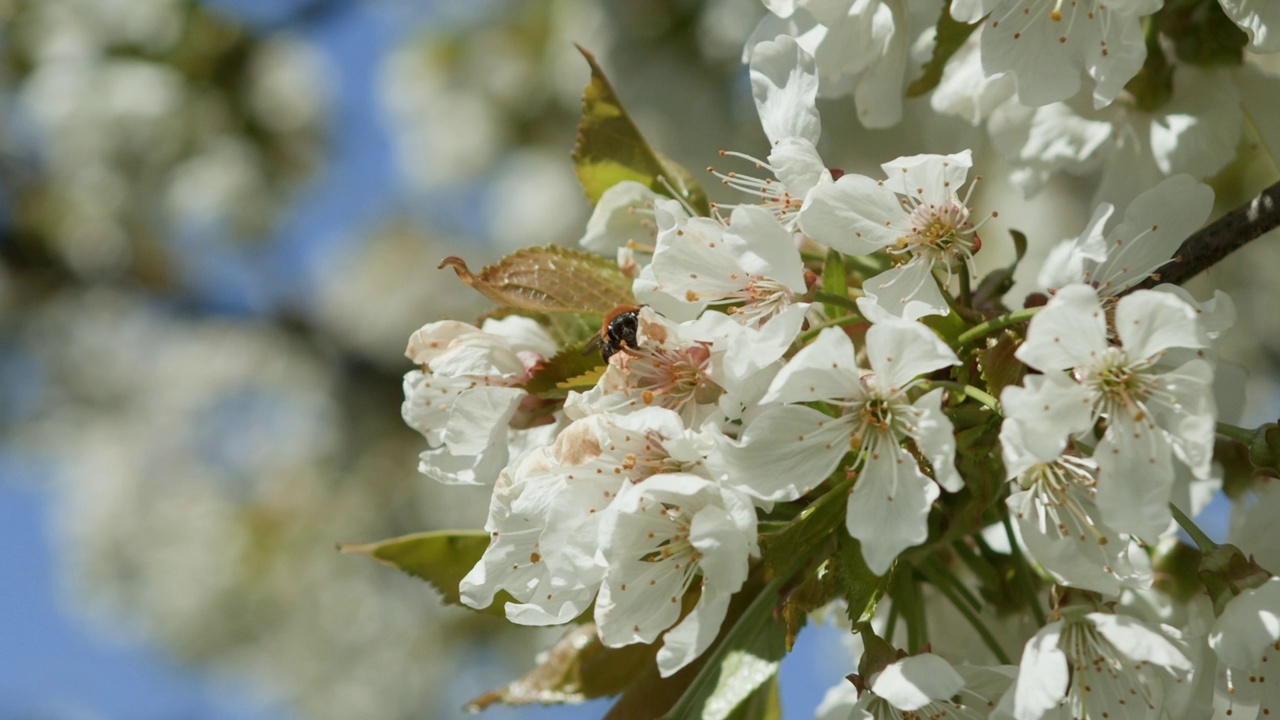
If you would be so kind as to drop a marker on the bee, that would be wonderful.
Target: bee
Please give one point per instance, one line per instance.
(618, 331)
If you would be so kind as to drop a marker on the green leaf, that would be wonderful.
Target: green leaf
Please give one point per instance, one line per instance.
(550, 279)
(950, 35)
(800, 538)
(568, 369)
(855, 581)
(577, 668)
(611, 149)
(442, 558)
(835, 283)
(764, 704)
(743, 660)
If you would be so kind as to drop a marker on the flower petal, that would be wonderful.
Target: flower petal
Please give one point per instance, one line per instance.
(823, 370)
(913, 682)
(901, 351)
(1150, 322)
(1135, 477)
(934, 434)
(1068, 333)
(1043, 677)
(855, 215)
(909, 292)
(784, 83)
(785, 452)
(888, 509)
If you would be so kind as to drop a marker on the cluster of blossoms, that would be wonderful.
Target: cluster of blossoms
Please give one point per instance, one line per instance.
(821, 345)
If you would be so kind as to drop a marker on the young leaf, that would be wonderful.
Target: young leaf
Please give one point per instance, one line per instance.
(442, 558)
(950, 35)
(999, 367)
(835, 283)
(859, 586)
(550, 279)
(559, 374)
(611, 149)
(577, 668)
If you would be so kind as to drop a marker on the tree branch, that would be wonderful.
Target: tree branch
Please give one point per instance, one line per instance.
(1212, 243)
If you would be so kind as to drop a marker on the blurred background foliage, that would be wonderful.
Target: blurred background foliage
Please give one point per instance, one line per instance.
(219, 223)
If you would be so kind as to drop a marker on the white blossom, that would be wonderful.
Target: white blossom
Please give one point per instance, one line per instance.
(1095, 666)
(1246, 638)
(465, 393)
(916, 215)
(1152, 413)
(790, 449)
(669, 533)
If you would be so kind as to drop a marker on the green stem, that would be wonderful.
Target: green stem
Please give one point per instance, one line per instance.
(808, 335)
(1202, 541)
(994, 324)
(1023, 571)
(947, 586)
(978, 394)
(966, 294)
(908, 598)
(1244, 435)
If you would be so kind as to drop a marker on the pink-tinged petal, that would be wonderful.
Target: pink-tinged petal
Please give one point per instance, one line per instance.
(913, 682)
(909, 292)
(823, 370)
(763, 247)
(1069, 332)
(784, 83)
(1135, 477)
(1050, 408)
(1141, 642)
(935, 436)
(1043, 677)
(929, 179)
(785, 452)
(855, 215)
(901, 351)
(686, 642)
(888, 509)
(1150, 322)
(432, 339)
(1154, 226)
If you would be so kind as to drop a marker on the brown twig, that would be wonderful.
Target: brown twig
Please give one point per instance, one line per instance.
(1208, 246)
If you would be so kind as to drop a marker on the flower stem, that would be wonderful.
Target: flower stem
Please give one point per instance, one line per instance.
(978, 394)
(906, 595)
(1023, 570)
(994, 324)
(1202, 541)
(808, 335)
(1235, 433)
(947, 585)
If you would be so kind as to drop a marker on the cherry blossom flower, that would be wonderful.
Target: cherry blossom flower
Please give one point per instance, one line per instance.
(546, 511)
(670, 532)
(464, 395)
(750, 268)
(622, 217)
(1153, 413)
(790, 449)
(916, 214)
(711, 368)
(1096, 665)
(1058, 518)
(919, 686)
(1261, 20)
(1047, 46)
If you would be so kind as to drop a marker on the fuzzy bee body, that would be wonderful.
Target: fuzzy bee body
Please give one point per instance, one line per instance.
(618, 331)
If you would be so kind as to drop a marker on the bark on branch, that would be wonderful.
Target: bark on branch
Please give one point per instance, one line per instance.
(1206, 247)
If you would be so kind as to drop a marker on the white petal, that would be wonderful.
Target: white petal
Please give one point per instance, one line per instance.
(1191, 418)
(1140, 642)
(1050, 409)
(479, 419)
(1043, 677)
(913, 682)
(1259, 18)
(1248, 626)
(823, 370)
(1126, 51)
(1135, 477)
(797, 165)
(928, 178)
(785, 452)
(1069, 332)
(1155, 224)
(855, 215)
(1198, 131)
(784, 83)
(624, 214)
(900, 352)
(1150, 322)
(723, 549)
(1072, 261)
(763, 247)
(934, 434)
(909, 292)
(685, 642)
(888, 509)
